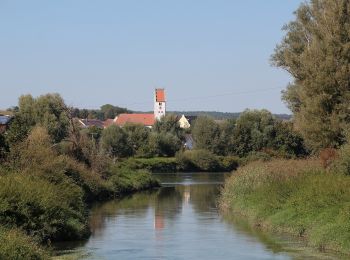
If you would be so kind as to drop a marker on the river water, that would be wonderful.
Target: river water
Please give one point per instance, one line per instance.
(180, 221)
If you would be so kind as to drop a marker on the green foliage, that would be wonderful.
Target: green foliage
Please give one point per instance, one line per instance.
(203, 160)
(295, 196)
(206, 134)
(106, 111)
(155, 164)
(315, 51)
(138, 138)
(15, 245)
(43, 210)
(3, 147)
(127, 180)
(114, 141)
(169, 124)
(110, 111)
(49, 111)
(164, 144)
(253, 131)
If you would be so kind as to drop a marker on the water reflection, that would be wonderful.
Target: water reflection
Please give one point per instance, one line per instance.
(179, 221)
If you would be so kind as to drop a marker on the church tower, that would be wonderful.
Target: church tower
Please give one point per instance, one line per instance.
(159, 103)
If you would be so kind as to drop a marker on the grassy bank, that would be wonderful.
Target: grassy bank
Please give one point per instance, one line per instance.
(188, 161)
(293, 196)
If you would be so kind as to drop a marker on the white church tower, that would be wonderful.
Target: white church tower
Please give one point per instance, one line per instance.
(159, 103)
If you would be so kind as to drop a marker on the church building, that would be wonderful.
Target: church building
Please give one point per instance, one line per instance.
(145, 119)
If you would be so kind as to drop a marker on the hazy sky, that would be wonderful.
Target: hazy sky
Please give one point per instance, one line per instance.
(209, 55)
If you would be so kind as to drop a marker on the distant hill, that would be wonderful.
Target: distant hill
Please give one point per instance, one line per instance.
(217, 115)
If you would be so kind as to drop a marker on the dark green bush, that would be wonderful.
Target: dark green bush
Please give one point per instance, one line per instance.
(127, 180)
(202, 160)
(157, 164)
(44, 210)
(228, 163)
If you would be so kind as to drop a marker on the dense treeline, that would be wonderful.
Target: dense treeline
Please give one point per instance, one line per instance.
(50, 169)
(254, 133)
(105, 112)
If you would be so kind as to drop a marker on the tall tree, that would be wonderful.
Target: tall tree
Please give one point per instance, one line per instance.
(48, 111)
(206, 134)
(114, 141)
(316, 52)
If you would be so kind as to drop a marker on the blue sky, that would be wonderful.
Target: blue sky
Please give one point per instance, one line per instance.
(208, 55)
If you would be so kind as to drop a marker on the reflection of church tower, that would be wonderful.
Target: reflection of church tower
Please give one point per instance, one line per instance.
(159, 103)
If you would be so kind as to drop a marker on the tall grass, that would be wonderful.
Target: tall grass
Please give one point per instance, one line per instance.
(15, 245)
(294, 196)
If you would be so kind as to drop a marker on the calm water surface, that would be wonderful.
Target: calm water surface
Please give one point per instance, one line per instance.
(180, 221)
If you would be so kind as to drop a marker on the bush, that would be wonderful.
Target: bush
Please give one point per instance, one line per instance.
(203, 160)
(125, 180)
(228, 163)
(43, 210)
(17, 246)
(157, 164)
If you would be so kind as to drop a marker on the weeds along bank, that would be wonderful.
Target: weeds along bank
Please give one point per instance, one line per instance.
(294, 196)
(44, 195)
(186, 161)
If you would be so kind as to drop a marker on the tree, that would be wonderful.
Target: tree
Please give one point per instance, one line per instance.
(316, 52)
(288, 141)
(169, 124)
(227, 138)
(110, 111)
(138, 137)
(253, 131)
(163, 144)
(206, 134)
(48, 111)
(114, 141)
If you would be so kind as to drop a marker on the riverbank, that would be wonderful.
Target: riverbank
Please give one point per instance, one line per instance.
(296, 197)
(44, 195)
(187, 161)
(35, 212)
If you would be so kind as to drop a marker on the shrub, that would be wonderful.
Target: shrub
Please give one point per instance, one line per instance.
(127, 180)
(201, 160)
(17, 246)
(157, 164)
(228, 163)
(43, 210)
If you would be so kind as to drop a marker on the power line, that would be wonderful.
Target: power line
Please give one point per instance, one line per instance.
(211, 96)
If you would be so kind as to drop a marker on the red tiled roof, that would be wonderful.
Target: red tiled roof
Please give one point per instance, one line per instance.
(160, 95)
(144, 119)
(108, 123)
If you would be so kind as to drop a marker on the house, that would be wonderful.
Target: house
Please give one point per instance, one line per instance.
(87, 123)
(186, 121)
(4, 122)
(145, 119)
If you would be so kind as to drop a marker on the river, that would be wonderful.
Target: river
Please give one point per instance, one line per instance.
(179, 221)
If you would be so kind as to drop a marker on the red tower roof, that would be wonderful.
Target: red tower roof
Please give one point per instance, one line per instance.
(160, 95)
